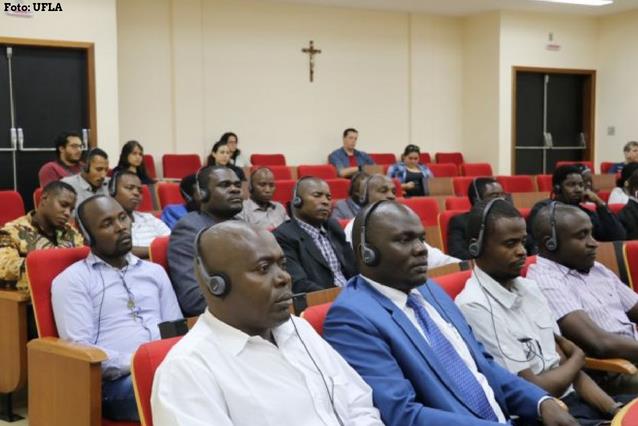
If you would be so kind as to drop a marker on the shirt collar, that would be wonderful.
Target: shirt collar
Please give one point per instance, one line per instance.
(508, 299)
(254, 206)
(131, 260)
(87, 186)
(312, 230)
(397, 297)
(547, 263)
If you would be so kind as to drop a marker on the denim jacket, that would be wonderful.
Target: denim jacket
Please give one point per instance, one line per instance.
(400, 171)
(339, 159)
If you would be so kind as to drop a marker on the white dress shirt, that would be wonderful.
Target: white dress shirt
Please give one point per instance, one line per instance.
(145, 228)
(436, 257)
(618, 196)
(400, 299)
(219, 375)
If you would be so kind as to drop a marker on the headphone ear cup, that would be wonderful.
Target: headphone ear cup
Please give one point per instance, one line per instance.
(474, 248)
(556, 189)
(113, 185)
(297, 202)
(218, 285)
(551, 244)
(370, 255)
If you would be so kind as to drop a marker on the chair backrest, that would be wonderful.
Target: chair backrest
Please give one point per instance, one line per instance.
(425, 158)
(588, 164)
(339, 188)
(149, 164)
(524, 211)
(449, 157)
(544, 183)
(42, 267)
(37, 196)
(147, 200)
(268, 160)
(323, 171)
(283, 191)
(441, 186)
(529, 261)
(444, 222)
(461, 185)
(158, 251)
(630, 257)
(476, 169)
(615, 208)
(604, 182)
(605, 166)
(458, 203)
(343, 223)
(12, 206)
(316, 315)
(279, 172)
(518, 183)
(425, 207)
(383, 158)
(176, 166)
(168, 193)
(453, 283)
(146, 359)
(528, 199)
(443, 169)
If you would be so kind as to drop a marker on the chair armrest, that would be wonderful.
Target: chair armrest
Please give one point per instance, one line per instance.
(612, 365)
(15, 296)
(65, 383)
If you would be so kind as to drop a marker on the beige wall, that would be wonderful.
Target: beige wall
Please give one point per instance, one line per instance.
(87, 21)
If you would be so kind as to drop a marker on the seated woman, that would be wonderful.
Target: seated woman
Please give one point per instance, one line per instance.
(236, 157)
(629, 214)
(220, 156)
(620, 194)
(132, 159)
(413, 175)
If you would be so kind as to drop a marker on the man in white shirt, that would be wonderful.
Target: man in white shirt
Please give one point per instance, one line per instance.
(246, 361)
(126, 188)
(380, 187)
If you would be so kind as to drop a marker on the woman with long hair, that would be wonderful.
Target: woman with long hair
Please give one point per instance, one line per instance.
(132, 159)
(220, 156)
(236, 156)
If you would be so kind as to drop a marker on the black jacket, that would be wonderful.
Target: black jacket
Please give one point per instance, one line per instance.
(629, 218)
(457, 241)
(304, 261)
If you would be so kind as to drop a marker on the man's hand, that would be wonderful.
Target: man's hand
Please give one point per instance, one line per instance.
(570, 349)
(553, 414)
(590, 195)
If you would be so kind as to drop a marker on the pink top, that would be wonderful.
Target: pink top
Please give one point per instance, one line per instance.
(56, 170)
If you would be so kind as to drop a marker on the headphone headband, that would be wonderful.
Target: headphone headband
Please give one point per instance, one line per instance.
(297, 201)
(218, 283)
(552, 243)
(476, 245)
(369, 254)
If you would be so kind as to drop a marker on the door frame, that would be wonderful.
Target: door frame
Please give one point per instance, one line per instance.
(589, 107)
(89, 48)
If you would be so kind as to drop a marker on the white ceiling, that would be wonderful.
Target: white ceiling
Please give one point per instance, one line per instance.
(470, 7)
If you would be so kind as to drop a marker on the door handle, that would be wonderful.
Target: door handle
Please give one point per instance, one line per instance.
(549, 141)
(85, 138)
(13, 138)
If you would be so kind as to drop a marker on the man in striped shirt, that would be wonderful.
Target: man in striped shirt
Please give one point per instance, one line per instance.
(594, 308)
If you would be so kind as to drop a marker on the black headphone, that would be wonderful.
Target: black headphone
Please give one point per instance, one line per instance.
(552, 242)
(201, 190)
(297, 201)
(476, 191)
(187, 197)
(476, 244)
(88, 238)
(353, 179)
(217, 284)
(112, 187)
(369, 254)
(87, 165)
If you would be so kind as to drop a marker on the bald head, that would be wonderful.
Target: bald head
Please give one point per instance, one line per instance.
(379, 187)
(542, 225)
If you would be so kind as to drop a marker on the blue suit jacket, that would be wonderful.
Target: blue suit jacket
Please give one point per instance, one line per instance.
(410, 386)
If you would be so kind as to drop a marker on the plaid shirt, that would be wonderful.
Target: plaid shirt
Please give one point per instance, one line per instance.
(320, 238)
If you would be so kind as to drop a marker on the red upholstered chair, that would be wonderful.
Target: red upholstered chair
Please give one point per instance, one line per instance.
(604, 195)
(605, 166)
(158, 251)
(323, 171)
(268, 160)
(147, 200)
(630, 254)
(525, 211)
(444, 222)
(37, 196)
(628, 415)
(316, 315)
(544, 183)
(461, 185)
(149, 163)
(384, 158)
(168, 193)
(615, 208)
(283, 191)
(279, 172)
(458, 203)
(518, 183)
(65, 380)
(343, 223)
(12, 206)
(397, 186)
(444, 169)
(453, 283)
(146, 359)
(589, 164)
(424, 158)
(449, 157)
(426, 208)
(529, 261)
(339, 188)
(176, 166)
(476, 169)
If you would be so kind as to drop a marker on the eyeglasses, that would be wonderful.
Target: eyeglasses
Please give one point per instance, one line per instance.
(75, 146)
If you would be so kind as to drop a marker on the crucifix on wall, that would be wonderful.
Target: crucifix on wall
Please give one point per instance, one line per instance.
(311, 51)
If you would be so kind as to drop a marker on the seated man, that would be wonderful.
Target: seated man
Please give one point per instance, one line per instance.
(630, 151)
(317, 254)
(68, 149)
(379, 187)
(348, 208)
(511, 317)
(569, 188)
(260, 209)
(112, 300)
(629, 214)
(92, 179)
(593, 307)
(410, 343)
(481, 188)
(247, 361)
(126, 188)
(219, 190)
(174, 212)
(346, 159)
(46, 227)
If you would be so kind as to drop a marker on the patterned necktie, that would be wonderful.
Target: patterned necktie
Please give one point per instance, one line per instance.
(466, 384)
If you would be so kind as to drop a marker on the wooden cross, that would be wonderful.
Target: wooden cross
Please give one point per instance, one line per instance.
(311, 51)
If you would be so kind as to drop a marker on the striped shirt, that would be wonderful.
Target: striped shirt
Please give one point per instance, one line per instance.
(599, 293)
(320, 238)
(146, 228)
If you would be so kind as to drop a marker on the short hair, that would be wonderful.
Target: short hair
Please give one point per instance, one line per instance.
(501, 208)
(62, 139)
(56, 187)
(348, 130)
(629, 145)
(203, 175)
(117, 177)
(95, 152)
(476, 189)
(541, 226)
(354, 180)
(561, 173)
(632, 181)
(627, 171)
(187, 183)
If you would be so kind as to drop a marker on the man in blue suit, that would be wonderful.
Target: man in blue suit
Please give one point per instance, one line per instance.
(408, 340)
